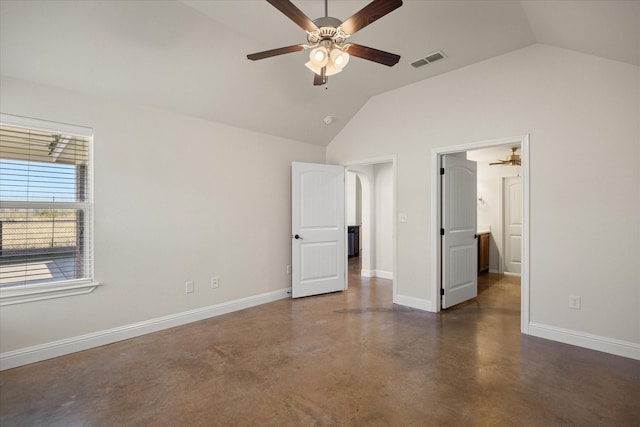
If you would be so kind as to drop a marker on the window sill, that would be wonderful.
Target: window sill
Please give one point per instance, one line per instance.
(23, 294)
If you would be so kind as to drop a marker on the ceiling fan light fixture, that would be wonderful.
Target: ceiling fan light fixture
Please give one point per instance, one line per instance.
(317, 70)
(333, 61)
(331, 70)
(319, 56)
(339, 58)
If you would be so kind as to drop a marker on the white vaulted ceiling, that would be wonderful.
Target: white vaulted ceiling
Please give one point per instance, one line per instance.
(190, 56)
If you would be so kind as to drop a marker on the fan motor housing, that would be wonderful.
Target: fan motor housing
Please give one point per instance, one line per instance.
(327, 21)
(328, 28)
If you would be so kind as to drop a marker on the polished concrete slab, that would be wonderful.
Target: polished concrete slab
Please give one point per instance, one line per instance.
(350, 358)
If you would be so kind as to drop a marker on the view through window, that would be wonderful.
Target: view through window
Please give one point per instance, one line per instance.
(44, 207)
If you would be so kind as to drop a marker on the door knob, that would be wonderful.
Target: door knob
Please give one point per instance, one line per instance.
(298, 237)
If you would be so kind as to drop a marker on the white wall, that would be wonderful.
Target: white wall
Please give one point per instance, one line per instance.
(582, 116)
(358, 195)
(383, 200)
(352, 198)
(176, 199)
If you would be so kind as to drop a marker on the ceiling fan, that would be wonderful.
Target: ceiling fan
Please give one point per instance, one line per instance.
(327, 38)
(512, 160)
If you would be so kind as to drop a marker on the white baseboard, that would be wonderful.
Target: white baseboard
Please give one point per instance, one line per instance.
(368, 273)
(377, 273)
(582, 339)
(384, 274)
(12, 359)
(413, 302)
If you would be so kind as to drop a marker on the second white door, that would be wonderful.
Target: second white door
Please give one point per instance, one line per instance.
(318, 234)
(512, 202)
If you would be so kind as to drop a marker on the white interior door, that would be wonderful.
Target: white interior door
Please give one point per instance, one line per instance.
(318, 233)
(459, 224)
(512, 202)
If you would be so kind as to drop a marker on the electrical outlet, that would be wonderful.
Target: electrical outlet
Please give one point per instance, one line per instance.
(402, 217)
(288, 269)
(574, 302)
(189, 286)
(215, 283)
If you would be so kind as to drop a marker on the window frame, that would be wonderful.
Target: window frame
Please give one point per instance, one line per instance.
(23, 293)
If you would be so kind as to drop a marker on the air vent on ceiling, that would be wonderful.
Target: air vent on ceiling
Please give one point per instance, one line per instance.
(436, 56)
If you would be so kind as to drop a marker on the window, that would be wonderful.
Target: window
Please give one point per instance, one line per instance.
(45, 210)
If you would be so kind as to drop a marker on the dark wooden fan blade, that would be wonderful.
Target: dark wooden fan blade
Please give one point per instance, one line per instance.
(295, 14)
(368, 14)
(275, 52)
(320, 79)
(372, 54)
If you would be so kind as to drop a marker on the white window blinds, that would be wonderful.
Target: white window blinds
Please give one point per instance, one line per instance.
(45, 206)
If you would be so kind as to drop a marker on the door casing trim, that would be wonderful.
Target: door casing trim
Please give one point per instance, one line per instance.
(436, 209)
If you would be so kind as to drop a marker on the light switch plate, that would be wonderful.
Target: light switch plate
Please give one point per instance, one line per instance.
(574, 302)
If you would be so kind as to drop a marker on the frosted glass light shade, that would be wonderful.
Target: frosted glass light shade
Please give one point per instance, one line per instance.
(333, 61)
(339, 58)
(319, 56)
(329, 71)
(317, 70)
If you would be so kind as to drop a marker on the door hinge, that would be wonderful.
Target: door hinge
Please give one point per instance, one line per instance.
(442, 291)
(441, 171)
(442, 231)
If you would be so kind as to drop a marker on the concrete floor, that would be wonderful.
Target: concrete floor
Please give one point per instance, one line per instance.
(350, 358)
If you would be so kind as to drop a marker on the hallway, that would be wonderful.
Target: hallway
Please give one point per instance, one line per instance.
(348, 358)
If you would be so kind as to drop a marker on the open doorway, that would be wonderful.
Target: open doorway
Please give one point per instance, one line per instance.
(353, 190)
(499, 209)
(370, 212)
(463, 150)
